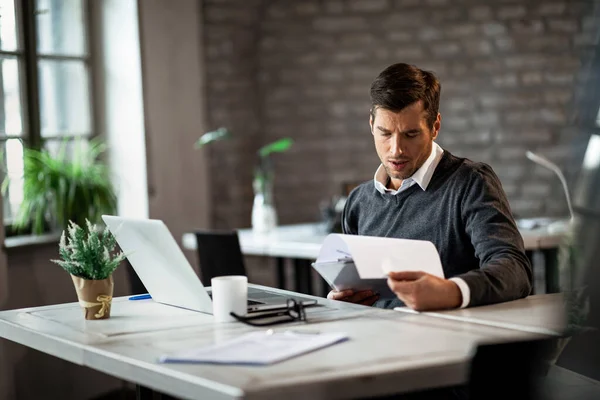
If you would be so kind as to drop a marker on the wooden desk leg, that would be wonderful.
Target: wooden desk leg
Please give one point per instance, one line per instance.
(280, 272)
(551, 264)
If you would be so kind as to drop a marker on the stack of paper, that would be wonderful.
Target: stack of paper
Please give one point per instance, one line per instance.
(257, 348)
(344, 275)
(362, 262)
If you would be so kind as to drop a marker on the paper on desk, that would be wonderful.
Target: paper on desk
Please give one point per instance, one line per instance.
(257, 348)
(374, 256)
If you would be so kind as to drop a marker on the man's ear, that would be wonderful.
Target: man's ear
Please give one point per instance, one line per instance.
(371, 120)
(436, 126)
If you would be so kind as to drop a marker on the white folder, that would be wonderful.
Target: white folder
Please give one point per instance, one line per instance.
(362, 262)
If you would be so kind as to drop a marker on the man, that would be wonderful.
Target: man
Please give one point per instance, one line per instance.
(421, 191)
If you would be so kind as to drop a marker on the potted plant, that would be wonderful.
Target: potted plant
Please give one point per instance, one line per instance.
(89, 257)
(575, 291)
(61, 188)
(212, 136)
(264, 216)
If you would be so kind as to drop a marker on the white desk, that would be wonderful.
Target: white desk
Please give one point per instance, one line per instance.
(543, 314)
(303, 242)
(388, 352)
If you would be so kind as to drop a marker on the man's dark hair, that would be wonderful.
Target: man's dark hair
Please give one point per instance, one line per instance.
(401, 85)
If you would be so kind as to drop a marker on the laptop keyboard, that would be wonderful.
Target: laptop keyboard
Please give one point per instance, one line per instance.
(250, 302)
(262, 297)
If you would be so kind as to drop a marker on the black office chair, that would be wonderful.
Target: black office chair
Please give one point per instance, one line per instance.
(219, 254)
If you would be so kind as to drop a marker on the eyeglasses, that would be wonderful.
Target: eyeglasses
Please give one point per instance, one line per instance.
(294, 311)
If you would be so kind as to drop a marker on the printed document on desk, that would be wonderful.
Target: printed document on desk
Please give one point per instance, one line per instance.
(374, 257)
(258, 348)
(343, 275)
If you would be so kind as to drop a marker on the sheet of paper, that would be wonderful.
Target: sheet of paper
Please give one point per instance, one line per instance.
(374, 256)
(341, 276)
(257, 348)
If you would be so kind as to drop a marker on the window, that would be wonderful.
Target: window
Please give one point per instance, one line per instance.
(45, 84)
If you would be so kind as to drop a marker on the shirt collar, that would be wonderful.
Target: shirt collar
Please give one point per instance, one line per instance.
(422, 176)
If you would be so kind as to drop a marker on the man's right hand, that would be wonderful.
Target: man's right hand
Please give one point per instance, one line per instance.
(364, 297)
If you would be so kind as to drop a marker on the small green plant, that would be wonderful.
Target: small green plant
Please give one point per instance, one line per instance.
(263, 172)
(88, 255)
(278, 146)
(576, 290)
(212, 136)
(60, 188)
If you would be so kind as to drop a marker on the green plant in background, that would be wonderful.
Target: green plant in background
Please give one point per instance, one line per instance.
(277, 146)
(263, 174)
(576, 291)
(88, 255)
(575, 295)
(212, 136)
(59, 188)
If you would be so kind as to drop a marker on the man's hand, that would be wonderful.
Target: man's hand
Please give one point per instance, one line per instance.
(365, 297)
(422, 291)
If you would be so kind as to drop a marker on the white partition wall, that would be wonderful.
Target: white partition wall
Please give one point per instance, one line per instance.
(121, 108)
(174, 107)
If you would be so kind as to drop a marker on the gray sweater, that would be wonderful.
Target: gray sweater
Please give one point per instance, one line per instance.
(466, 215)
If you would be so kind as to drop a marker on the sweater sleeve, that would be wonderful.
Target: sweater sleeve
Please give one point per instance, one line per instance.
(505, 271)
(349, 222)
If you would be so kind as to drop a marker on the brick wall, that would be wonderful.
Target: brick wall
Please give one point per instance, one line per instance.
(231, 34)
(511, 71)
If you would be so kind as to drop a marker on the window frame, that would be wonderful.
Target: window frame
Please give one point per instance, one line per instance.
(28, 60)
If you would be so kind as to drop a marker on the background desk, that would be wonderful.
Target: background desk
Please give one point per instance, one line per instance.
(408, 352)
(301, 243)
(544, 314)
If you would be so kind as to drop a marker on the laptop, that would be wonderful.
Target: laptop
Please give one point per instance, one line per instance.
(165, 271)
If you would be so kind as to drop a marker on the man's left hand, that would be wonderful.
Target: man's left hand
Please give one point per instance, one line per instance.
(423, 292)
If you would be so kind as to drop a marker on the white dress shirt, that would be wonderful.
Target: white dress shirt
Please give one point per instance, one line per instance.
(421, 177)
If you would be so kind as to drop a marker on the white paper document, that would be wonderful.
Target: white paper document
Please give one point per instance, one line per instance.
(362, 262)
(343, 275)
(257, 348)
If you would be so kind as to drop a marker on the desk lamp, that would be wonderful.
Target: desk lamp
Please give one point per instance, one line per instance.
(562, 225)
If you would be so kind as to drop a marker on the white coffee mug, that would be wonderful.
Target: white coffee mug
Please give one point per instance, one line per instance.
(229, 294)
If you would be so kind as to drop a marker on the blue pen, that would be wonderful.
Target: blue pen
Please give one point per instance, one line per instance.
(140, 297)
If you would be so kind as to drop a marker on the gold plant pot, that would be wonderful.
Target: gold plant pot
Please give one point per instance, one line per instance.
(95, 297)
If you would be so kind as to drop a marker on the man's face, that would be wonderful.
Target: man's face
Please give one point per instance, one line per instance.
(403, 140)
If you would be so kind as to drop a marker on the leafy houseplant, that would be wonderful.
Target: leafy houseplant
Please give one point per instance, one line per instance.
(263, 174)
(58, 189)
(264, 216)
(212, 136)
(574, 288)
(90, 259)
